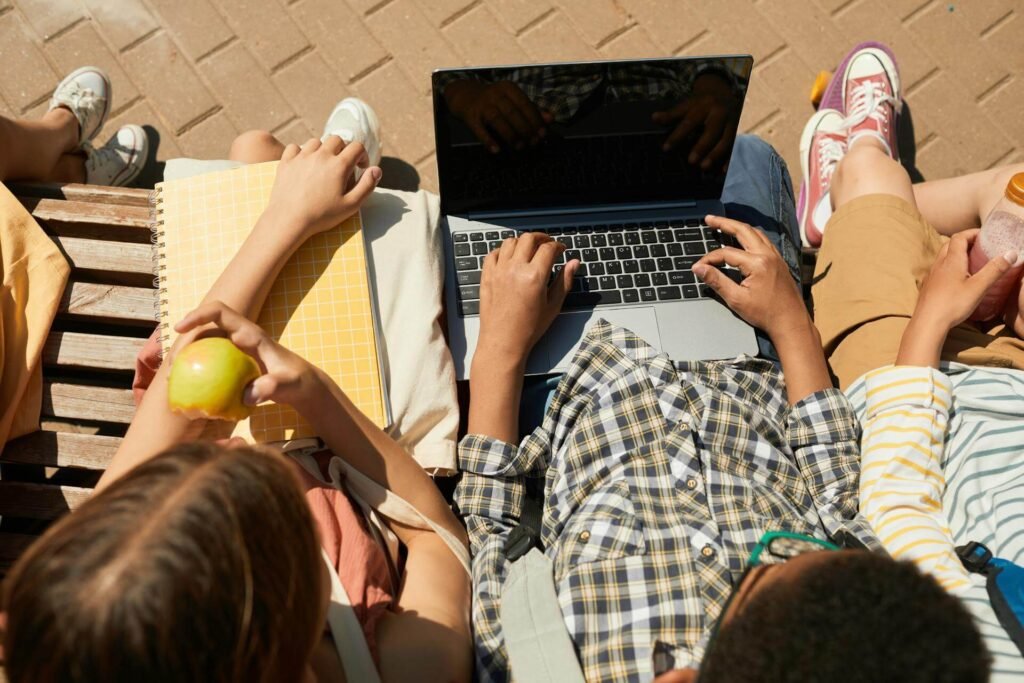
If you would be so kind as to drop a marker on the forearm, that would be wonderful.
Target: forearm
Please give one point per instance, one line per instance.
(495, 389)
(803, 361)
(243, 286)
(922, 342)
(365, 447)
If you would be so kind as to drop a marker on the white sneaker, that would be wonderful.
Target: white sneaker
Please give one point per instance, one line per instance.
(120, 161)
(87, 93)
(355, 121)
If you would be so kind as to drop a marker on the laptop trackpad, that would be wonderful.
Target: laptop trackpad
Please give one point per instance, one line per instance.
(556, 348)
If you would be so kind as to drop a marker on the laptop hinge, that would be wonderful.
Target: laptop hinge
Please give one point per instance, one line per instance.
(559, 211)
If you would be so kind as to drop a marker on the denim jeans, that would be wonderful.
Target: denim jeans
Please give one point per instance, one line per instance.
(758, 191)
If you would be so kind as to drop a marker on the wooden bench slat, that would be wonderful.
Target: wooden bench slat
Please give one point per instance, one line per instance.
(106, 255)
(109, 302)
(95, 194)
(39, 501)
(62, 449)
(68, 212)
(83, 402)
(12, 545)
(80, 350)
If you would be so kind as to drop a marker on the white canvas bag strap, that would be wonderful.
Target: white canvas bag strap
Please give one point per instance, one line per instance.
(347, 633)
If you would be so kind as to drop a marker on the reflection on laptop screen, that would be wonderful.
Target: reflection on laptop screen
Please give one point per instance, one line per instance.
(568, 135)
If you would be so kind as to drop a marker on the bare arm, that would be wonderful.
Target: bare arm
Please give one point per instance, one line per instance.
(306, 199)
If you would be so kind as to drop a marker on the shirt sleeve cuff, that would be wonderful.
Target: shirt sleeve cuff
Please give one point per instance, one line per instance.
(907, 387)
(488, 457)
(824, 417)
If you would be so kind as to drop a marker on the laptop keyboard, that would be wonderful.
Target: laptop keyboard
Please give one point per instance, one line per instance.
(628, 263)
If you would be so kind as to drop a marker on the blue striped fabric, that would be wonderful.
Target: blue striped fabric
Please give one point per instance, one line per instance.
(981, 458)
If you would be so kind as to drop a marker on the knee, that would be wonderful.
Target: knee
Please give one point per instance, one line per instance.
(252, 145)
(750, 149)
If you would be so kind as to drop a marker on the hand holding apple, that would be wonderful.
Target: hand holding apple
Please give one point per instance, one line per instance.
(208, 378)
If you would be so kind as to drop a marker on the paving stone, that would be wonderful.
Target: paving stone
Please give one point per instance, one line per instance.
(1004, 107)
(296, 132)
(168, 80)
(142, 114)
(634, 43)
(210, 138)
(817, 45)
(407, 117)
(980, 17)
(480, 39)
(518, 14)
(351, 57)
(416, 45)
(26, 76)
(83, 45)
(1003, 42)
(594, 19)
(249, 97)
(556, 40)
(670, 23)
(311, 88)
(195, 24)
(49, 17)
(122, 22)
(266, 28)
(440, 12)
(873, 20)
(736, 29)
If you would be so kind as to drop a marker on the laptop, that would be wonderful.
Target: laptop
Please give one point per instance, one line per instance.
(600, 181)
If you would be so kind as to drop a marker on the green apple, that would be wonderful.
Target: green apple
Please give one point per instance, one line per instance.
(208, 378)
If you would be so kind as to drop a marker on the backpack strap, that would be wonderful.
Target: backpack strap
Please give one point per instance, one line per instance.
(538, 646)
(1004, 582)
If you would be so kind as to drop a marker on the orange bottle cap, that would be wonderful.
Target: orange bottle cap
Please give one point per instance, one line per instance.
(1015, 189)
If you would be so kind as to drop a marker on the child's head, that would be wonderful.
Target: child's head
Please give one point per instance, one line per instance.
(200, 565)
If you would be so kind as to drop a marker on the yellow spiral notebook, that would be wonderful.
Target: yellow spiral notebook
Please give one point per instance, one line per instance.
(321, 305)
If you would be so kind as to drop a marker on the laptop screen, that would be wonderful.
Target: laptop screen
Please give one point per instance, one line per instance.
(586, 134)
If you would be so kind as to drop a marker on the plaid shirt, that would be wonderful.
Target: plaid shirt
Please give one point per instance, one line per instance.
(659, 481)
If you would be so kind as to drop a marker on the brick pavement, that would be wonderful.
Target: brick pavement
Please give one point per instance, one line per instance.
(201, 71)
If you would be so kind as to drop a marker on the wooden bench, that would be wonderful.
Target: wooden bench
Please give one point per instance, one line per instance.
(107, 312)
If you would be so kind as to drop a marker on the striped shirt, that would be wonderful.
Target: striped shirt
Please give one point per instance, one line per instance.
(658, 480)
(943, 464)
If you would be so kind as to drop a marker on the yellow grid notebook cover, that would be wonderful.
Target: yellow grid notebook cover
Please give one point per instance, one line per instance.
(320, 307)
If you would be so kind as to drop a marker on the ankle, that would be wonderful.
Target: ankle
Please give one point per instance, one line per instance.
(64, 124)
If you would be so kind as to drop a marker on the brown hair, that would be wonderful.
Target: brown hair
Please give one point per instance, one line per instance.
(201, 564)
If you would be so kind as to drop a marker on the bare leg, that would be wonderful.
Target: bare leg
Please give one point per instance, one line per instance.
(954, 204)
(70, 168)
(868, 169)
(31, 149)
(255, 146)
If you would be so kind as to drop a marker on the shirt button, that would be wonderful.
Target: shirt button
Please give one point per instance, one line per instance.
(691, 483)
(707, 551)
(584, 536)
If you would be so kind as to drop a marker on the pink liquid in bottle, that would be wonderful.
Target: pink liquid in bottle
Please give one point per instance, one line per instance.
(1003, 231)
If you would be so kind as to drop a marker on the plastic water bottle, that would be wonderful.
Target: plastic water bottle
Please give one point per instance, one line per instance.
(1002, 231)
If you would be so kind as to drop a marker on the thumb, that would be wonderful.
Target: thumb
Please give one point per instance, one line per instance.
(260, 390)
(718, 281)
(995, 269)
(561, 285)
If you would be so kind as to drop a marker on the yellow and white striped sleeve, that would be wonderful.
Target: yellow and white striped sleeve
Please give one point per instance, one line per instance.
(902, 481)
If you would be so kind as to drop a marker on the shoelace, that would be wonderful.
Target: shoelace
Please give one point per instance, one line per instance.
(107, 155)
(830, 152)
(84, 101)
(866, 102)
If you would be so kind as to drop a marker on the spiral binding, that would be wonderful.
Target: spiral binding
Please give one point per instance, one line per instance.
(156, 238)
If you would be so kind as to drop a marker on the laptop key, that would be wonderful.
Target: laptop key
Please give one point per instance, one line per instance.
(669, 293)
(624, 281)
(631, 266)
(476, 237)
(615, 239)
(465, 263)
(505, 234)
(665, 264)
(692, 222)
(595, 268)
(664, 235)
(659, 279)
(469, 292)
(642, 280)
(691, 235)
(675, 249)
(694, 248)
(491, 235)
(613, 267)
(682, 278)
(630, 296)
(623, 253)
(479, 248)
(460, 237)
(571, 254)
(581, 241)
(470, 308)
(493, 244)
(606, 253)
(599, 240)
(641, 252)
(632, 238)
(684, 262)
(691, 292)
(581, 299)
(648, 265)
(591, 284)
(462, 249)
(581, 270)
(648, 295)
(590, 255)
(567, 241)
(648, 237)
(658, 250)
(468, 277)
(607, 282)
(586, 229)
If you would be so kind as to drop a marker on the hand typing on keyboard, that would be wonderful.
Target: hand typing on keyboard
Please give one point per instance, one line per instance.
(518, 297)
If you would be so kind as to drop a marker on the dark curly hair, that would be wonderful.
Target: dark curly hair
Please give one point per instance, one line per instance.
(859, 618)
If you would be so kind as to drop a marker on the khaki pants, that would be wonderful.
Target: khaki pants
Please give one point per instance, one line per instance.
(877, 252)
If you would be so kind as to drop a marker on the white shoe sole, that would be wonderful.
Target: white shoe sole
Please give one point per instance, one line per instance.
(806, 138)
